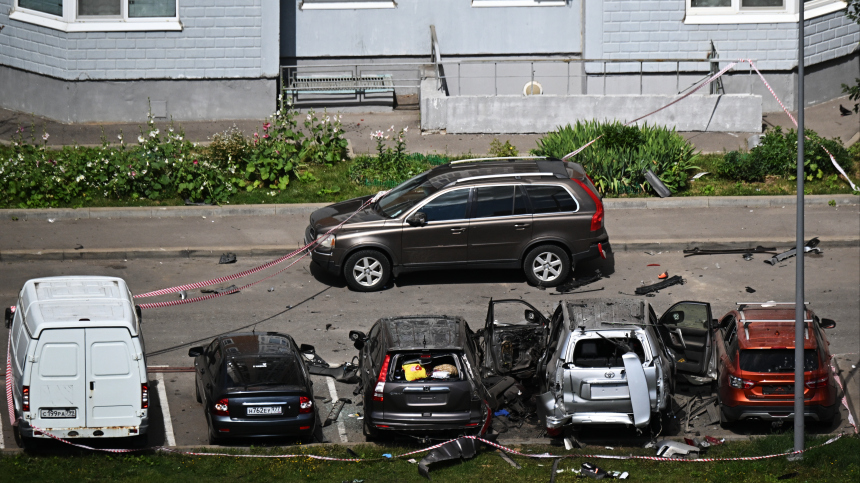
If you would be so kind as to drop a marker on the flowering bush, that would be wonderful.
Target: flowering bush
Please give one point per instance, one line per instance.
(389, 164)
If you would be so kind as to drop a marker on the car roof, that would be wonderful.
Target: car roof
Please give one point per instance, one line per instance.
(69, 302)
(248, 344)
(605, 314)
(446, 174)
(765, 328)
(423, 332)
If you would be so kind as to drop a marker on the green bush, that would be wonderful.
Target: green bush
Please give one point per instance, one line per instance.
(777, 155)
(391, 165)
(617, 160)
(499, 150)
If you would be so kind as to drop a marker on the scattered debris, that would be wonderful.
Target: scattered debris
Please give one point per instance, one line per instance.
(508, 459)
(714, 441)
(647, 289)
(231, 288)
(653, 265)
(459, 448)
(227, 258)
(791, 475)
(748, 256)
(413, 461)
(811, 246)
(668, 449)
(554, 470)
(575, 284)
(335, 411)
(650, 253)
(592, 471)
(657, 184)
(699, 175)
(183, 295)
(663, 276)
(750, 290)
(271, 289)
(724, 251)
(51, 220)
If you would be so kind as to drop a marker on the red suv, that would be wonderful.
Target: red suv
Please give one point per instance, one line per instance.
(754, 349)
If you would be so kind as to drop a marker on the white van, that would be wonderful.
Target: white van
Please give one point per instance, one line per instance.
(78, 363)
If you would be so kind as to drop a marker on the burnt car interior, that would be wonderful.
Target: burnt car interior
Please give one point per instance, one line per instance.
(606, 352)
(515, 343)
(437, 366)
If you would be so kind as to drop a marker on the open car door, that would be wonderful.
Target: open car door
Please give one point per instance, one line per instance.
(513, 339)
(685, 329)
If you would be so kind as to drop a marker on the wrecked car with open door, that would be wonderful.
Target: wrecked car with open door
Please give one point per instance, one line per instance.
(685, 331)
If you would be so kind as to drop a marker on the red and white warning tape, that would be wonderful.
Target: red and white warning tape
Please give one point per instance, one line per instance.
(844, 398)
(12, 420)
(708, 81)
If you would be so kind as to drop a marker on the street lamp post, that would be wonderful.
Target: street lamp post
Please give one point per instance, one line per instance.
(799, 307)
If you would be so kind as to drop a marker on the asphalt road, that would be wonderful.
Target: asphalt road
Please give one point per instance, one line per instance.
(303, 301)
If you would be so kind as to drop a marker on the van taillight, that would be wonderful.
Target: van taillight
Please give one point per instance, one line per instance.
(305, 405)
(25, 398)
(144, 396)
(597, 218)
(380, 381)
(220, 408)
(817, 383)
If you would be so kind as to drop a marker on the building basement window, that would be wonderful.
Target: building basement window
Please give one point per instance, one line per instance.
(345, 4)
(756, 11)
(99, 15)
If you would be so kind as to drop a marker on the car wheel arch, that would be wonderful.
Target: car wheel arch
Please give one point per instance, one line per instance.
(548, 241)
(369, 246)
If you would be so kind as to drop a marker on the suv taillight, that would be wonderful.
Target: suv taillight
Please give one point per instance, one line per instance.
(597, 218)
(380, 381)
(220, 408)
(305, 405)
(739, 383)
(817, 383)
(144, 396)
(25, 398)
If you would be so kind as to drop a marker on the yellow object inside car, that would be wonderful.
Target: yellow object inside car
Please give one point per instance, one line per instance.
(414, 371)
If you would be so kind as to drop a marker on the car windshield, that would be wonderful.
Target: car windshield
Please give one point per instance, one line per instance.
(263, 370)
(406, 195)
(776, 360)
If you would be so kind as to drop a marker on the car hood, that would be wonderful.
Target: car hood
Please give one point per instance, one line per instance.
(335, 214)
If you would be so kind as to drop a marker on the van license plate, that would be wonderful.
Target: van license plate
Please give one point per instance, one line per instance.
(264, 411)
(67, 413)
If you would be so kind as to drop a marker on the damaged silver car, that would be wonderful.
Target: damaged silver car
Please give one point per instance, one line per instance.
(600, 361)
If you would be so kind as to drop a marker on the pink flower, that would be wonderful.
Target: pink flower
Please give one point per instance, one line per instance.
(266, 126)
(256, 135)
(133, 174)
(195, 162)
(265, 136)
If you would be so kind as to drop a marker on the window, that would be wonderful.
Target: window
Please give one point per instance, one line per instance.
(345, 4)
(778, 361)
(494, 201)
(756, 11)
(606, 352)
(448, 206)
(550, 199)
(99, 15)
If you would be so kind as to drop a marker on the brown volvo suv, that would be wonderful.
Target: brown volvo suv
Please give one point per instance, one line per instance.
(541, 215)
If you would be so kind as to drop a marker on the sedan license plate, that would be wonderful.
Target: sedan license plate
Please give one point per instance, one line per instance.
(610, 391)
(787, 390)
(59, 413)
(264, 411)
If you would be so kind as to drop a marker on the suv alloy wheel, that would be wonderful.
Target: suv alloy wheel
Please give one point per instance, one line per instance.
(547, 266)
(367, 270)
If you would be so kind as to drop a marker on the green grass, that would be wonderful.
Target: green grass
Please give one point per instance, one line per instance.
(837, 462)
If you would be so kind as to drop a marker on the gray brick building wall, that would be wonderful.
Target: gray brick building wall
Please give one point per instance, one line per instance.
(221, 39)
(656, 29)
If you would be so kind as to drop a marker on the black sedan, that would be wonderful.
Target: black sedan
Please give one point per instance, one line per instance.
(255, 385)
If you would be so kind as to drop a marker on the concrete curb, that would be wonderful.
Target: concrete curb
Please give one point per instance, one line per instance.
(307, 208)
(278, 250)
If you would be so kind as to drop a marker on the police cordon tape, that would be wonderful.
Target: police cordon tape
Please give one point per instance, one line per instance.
(708, 81)
(844, 396)
(14, 422)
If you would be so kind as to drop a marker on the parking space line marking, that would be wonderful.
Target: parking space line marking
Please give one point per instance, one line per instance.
(341, 429)
(165, 410)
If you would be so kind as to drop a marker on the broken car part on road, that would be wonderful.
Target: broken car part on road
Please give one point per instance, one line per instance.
(810, 247)
(723, 251)
(647, 289)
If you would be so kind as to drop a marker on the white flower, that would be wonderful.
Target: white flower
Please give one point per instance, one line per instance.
(45, 136)
(154, 133)
(80, 178)
(170, 129)
(140, 139)
(406, 129)
(334, 130)
(309, 117)
(179, 138)
(119, 136)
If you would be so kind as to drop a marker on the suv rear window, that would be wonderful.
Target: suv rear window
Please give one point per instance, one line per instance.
(776, 360)
(603, 353)
(550, 199)
(263, 371)
(415, 366)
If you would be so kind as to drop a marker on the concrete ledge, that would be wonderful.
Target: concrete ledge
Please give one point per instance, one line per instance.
(307, 208)
(278, 250)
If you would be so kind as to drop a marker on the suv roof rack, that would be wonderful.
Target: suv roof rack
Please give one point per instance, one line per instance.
(462, 161)
(509, 175)
(747, 323)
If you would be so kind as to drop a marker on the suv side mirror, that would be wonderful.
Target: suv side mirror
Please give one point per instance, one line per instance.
(358, 338)
(10, 314)
(307, 349)
(827, 323)
(417, 219)
(195, 351)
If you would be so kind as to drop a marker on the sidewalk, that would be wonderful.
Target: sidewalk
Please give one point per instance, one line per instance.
(823, 118)
(272, 230)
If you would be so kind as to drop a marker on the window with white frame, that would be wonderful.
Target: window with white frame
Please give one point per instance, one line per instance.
(345, 4)
(756, 11)
(99, 15)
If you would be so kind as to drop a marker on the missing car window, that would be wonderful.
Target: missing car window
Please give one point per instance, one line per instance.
(603, 353)
(414, 366)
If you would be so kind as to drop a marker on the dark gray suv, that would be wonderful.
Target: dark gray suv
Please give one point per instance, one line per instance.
(541, 215)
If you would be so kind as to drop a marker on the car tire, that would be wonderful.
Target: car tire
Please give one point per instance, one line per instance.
(724, 421)
(24, 442)
(140, 441)
(370, 434)
(367, 270)
(213, 438)
(547, 266)
(197, 391)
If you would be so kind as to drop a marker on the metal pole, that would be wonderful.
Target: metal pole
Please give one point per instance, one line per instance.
(799, 307)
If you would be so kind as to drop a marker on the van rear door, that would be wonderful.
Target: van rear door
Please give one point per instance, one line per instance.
(58, 380)
(113, 379)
